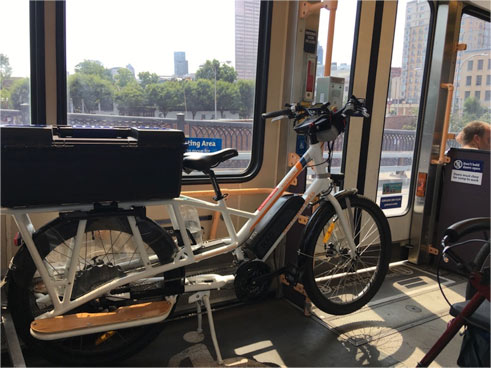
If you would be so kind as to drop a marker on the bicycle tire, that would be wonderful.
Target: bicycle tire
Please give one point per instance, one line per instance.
(25, 286)
(328, 267)
(481, 261)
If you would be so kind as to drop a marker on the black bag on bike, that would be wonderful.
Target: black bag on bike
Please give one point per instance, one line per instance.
(475, 348)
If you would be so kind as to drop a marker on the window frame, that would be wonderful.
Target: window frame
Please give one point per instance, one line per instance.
(429, 34)
(38, 63)
(260, 98)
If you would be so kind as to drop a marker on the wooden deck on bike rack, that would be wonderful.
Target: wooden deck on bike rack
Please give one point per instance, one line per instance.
(80, 321)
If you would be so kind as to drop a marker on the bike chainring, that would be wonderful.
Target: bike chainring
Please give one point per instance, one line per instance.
(249, 283)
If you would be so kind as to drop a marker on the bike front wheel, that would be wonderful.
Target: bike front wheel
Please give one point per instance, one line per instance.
(336, 282)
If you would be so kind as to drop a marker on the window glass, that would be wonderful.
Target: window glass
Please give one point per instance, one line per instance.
(14, 62)
(334, 89)
(402, 107)
(189, 65)
(468, 104)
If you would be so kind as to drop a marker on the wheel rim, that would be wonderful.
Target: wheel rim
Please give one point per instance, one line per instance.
(340, 278)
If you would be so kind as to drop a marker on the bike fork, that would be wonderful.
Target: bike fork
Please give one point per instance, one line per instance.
(348, 230)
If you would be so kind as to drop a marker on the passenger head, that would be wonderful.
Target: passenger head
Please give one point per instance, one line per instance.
(475, 134)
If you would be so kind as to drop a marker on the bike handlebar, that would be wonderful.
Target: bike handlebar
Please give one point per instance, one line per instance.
(275, 114)
(354, 107)
(461, 228)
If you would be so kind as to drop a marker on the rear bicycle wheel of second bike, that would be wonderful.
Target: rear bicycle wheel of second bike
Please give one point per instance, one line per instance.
(334, 281)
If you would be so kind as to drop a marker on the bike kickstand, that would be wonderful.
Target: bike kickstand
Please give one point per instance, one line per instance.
(204, 297)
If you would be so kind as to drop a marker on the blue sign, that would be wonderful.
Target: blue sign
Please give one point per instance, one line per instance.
(469, 165)
(204, 144)
(390, 202)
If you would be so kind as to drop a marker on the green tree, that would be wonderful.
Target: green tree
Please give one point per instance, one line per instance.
(166, 96)
(5, 68)
(94, 67)
(124, 77)
(246, 90)
(199, 95)
(472, 109)
(4, 98)
(90, 92)
(130, 97)
(147, 78)
(223, 71)
(19, 93)
(227, 97)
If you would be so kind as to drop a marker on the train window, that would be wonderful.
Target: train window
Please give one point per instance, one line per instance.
(185, 65)
(14, 63)
(402, 107)
(470, 88)
(340, 64)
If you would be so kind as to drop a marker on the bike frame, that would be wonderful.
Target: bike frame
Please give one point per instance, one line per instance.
(185, 256)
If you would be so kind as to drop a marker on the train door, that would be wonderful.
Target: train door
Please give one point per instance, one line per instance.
(458, 93)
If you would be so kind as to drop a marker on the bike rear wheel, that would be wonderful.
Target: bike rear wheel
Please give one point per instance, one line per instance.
(108, 252)
(336, 283)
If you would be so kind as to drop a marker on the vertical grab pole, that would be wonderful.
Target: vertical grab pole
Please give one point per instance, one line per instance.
(446, 123)
(332, 6)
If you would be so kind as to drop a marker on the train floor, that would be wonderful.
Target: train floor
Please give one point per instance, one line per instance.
(396, 328)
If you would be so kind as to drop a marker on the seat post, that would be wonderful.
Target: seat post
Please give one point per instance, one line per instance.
(214, 182)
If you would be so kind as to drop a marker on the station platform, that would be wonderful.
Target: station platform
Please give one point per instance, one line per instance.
(395, 329)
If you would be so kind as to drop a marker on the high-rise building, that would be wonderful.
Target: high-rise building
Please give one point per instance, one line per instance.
(180, 63)
(320, 55)
(413, 54)
(473, 67)
(246, 36)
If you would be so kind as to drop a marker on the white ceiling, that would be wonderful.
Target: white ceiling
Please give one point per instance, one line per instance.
(483, 4)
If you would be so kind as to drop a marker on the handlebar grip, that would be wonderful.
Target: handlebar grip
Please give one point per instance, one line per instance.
(276, 113)
(461, 228)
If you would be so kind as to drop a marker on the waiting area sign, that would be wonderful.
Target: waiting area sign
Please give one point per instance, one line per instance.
(204, 144)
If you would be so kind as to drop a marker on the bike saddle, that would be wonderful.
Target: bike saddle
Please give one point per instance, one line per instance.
(205, 161)
(480, 318)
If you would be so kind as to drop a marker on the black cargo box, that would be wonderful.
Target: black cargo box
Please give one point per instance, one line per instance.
(44, 165)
